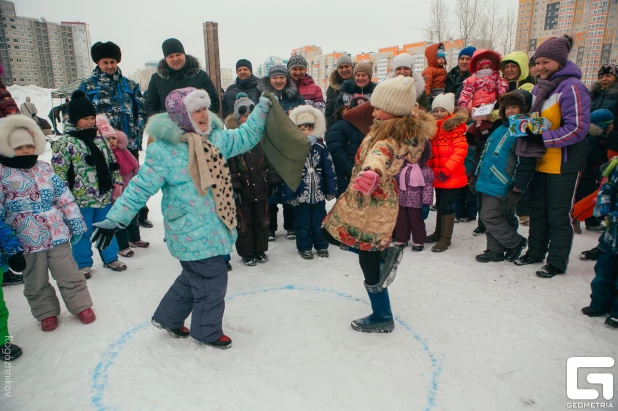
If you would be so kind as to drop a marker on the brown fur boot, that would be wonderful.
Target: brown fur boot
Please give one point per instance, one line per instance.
(448, 222)
(433, 238)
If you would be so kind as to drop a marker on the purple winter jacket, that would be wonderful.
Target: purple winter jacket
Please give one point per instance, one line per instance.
(568, 109)
(416, 197)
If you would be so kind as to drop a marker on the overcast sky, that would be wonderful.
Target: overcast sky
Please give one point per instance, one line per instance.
(247, 28)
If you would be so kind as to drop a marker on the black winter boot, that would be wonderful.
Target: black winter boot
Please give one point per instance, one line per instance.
(549, 271)
(490, 257)
(513, 254)
(590, 312)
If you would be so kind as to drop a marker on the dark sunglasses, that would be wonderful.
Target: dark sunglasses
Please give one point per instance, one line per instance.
(242, 110)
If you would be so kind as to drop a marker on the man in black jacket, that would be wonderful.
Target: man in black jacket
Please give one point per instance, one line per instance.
(245, 82)
(177, 70)
(343, 72)
(456, 77)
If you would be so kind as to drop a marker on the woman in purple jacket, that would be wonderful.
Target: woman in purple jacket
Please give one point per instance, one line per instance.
(562, 98)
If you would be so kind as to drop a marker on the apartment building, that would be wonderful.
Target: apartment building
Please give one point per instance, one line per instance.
(34, 51)
(593, 25)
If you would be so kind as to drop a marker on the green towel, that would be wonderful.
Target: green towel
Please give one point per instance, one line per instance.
(284, 144)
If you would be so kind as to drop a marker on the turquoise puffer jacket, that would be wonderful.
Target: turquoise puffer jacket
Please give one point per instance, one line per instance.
(193, 230)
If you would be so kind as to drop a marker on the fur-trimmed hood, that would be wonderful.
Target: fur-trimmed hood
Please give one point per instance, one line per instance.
(459, 117)
(409, 130)
(123, 141)
(612, 91)
(483, 54)
(10, 124)
(191, 68)
(289, 91)
(335, 81)
(160, 127)
(595, 130)
(319, 128)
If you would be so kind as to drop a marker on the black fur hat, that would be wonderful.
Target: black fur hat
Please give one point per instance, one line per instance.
(107, 50)
(519, 98)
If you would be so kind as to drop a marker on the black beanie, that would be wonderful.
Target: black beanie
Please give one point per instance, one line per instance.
(171, 46)
(80, 107)
(107, 50)
(244, 63)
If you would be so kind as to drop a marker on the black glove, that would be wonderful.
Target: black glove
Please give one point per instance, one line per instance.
(17, 262)
(534, 138)
(442, 177)
(104, 233)
(472, 184)
(237, 198)
(511, 199)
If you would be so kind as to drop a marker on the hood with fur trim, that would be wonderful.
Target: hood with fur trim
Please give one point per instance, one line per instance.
(191, 68)
(595, 130)
(611, 92)
(460, 116)
(319, 128)
(289, 91)
(230, 122)
(10, 124)
(483, 54)
(123, 141)
(160, 127)
(335, 81)
(409, 130)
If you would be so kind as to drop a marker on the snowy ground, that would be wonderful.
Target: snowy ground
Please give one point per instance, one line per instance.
(469, 336)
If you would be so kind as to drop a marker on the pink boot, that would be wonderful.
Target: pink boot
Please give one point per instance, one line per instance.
(49, 323)
(87, 316)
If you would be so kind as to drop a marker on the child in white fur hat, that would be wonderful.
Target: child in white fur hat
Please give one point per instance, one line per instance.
(317, 185)
(36, 203)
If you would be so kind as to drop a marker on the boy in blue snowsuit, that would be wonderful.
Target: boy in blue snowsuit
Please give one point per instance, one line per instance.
(501, 178)
(11, 256)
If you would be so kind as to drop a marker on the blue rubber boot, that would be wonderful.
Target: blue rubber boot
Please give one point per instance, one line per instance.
(381, 320)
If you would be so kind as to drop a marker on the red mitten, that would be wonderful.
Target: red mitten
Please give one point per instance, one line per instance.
(366, 182)
(117, 191)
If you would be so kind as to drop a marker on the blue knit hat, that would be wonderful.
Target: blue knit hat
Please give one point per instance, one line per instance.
(467, 51)
(601, 118)
(441, 53)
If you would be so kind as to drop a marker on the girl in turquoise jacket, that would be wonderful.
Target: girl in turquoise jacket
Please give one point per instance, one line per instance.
(187, 162)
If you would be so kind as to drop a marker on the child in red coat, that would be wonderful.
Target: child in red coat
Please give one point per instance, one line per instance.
(449, 148)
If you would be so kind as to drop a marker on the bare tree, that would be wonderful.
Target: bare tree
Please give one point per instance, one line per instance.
(438, 26)
(508, 29)
(469, 19)
(491, 31)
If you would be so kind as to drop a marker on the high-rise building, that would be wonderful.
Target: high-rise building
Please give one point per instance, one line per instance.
(81, 38)
(269, 63)
(38, 52)
(227, 78)
(592, 24)
(211, 49)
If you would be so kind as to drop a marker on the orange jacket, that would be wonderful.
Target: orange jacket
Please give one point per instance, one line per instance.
(435, 77)
(450, 148)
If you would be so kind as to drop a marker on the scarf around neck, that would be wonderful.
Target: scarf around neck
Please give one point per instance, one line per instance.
(125, 160)
(96, 158)
(411, 176)
(546, 87)
(483, 73)
(208, 170)
(23, 162)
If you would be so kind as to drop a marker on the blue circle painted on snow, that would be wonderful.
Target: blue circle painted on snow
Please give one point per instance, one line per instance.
(100, 374)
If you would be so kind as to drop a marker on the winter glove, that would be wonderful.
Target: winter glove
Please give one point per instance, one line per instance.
(366, 182)
(117, 191)
(104, 233)
(75, 239)
(511, 199)
(425, 211)
(330, 197)
(293, 202)
(442, 177)
(534, 138)
(17, 262)
(267, 99)
(237, 198)
(472, 184)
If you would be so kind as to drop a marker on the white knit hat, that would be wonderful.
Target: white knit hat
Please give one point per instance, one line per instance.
(396, 96)
(403, 60)
(445, 101)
